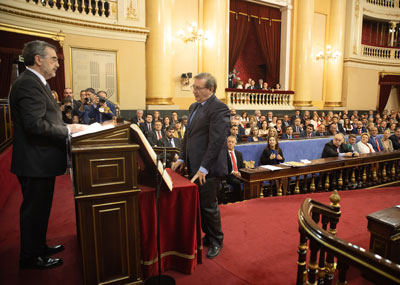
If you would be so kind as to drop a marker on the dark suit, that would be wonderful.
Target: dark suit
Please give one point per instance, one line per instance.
(39, 154)
(374, 145)
(164, 142)
(330, 150)
(356, 131)
(145, 128)
(297, 129)
(265, 158)
(153, 138)
(286, 137)
(204, 145)
(232, 179)
(305, 135)
(319, 134)
(396, 142)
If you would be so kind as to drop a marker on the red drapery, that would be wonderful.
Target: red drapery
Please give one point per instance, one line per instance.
(386, 82)
(266, 21)
(11, 45)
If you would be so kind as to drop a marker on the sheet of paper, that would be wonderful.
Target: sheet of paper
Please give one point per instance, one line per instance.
(93, 128)
(305, 161)
(271, 167)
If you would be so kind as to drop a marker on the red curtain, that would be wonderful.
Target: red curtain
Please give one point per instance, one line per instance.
(11, 45)
(386, 82)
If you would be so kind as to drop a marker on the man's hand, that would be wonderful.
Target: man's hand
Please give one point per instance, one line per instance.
(74, 128)
(356, 154)
(236, 174)
(178, 165)
(199, 175)
(348, 154)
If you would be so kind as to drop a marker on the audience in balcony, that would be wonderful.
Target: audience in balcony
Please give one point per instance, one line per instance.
(272, 154)
(248, 84)
(254, 135)
(252, 85)
(277, 87)
(363, 145)
(260, 84)
(265, 86)
(386, 142)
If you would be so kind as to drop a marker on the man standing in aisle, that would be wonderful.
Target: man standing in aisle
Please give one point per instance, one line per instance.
(204, 152)
(39, 151)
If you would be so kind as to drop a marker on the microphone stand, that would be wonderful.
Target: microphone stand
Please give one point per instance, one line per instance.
(159, 279)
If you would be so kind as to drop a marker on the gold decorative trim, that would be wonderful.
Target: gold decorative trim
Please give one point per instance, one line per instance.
(333, 104)
(175, 253)
(383, 74)
(371, 62)
(60, 19)
(59, 37)
(159, 101)
(254, 16)
(302, 103)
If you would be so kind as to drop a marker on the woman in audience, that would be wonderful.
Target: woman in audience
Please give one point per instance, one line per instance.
(166, 122)
(386, 142)
(392, 127)
(251, 124)
(244, 118)
(277, 87)
(254, 135)
(273, 122)
(179, 132)
(251, 119)
(347, 127)
(272, 132)
(315, 121)
(264, 128)
(156, 116)
(55, 96)
(382, 127)
(248, 83)
(272, 154)
(363, 146)
(279, 127)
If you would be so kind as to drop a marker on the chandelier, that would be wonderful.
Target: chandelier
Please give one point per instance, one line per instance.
(191, 33)
(329, 54)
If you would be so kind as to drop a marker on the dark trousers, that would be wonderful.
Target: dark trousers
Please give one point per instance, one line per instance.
(210, 216)
(34, 214)
(236, 185)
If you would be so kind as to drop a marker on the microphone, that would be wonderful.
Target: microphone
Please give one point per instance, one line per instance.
(165, 158)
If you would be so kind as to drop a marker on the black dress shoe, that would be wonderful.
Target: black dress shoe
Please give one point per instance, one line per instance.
(213, 251)
(50, 250)
(40, 262)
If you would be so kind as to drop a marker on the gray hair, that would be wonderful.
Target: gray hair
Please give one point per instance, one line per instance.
(33, 49)
(210, 80)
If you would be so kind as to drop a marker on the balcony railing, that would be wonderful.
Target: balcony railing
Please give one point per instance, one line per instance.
(384, 3)
(381, 52)
(259, 99)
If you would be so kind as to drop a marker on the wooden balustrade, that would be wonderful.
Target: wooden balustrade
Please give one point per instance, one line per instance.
(6, 130)
(100, 8)
(325, 174)
(381, 52)
(324, 247)
(259, 99)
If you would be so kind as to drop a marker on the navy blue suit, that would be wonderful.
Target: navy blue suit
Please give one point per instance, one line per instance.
(374, 145)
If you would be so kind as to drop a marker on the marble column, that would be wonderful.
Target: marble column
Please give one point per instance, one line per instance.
(303, 62)
(334, 67)
(214, 55)
(159, 87)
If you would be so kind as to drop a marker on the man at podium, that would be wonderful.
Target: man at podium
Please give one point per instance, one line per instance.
(204, 152)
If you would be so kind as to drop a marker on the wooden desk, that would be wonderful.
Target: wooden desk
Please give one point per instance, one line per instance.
(373, 169)
(384, 226)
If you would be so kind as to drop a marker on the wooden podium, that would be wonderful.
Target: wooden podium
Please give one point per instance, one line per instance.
(107, 205)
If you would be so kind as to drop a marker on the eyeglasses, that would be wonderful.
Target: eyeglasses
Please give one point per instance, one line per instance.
(197, 88)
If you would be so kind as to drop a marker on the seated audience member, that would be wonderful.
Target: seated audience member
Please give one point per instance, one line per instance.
(264, 128)
(156, 134)
(286, 122)
(260, 84)
(244, 118)
(69, 115)
(236, 121)
(272, 132)
(347, 126)
(265, 86)
(270, 117)
(251, 124)
(272, 154)
(169, 141)
(395, 138)
(184, 120)
(273, 122)
(288, 135)
(374, 141)
(254, 135)
(235, 162)
(308, 133)
(257, 115)
(386, 142)
(248, 83)
(238, 84)
(252, 85)
(166, 122)
(363, 146)
(295, 116)
(111, 105)
(178, 130)
(139, 118)
(339, 127)
(315, 121)
(332, 130)
(321, 131)
(279, 128)
(352, 145)
(156, 116)
(174, 117)
(251, 119)
(392, 127)
(336, 147)
(297, 127)
(232, 113)
(234, 131)
(147, 126)
(277, 87)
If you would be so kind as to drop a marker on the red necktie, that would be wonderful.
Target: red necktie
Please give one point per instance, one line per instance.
(233, 162)
(159, 135)
(370, 150)
(377, 144)
(309, 135)
(359, 131)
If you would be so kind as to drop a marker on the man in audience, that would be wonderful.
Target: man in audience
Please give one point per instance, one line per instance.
(382, 127)
(374, 141)
(286, 122)
(184, 120)
(360, 129)
(139, 117)
(297, 127)
(157, 134)
(234, 131)
(236, 121)
(395, 138)
(252, 85)
(233, 113)
(147, 126)
(174, 117)
(170, 141)
(308, 133)
(332, 129)
(295, 116)
(266, 87)
(289, 133)
(260, 84)
(235, 162)
(336, 147)
(352, 145)
(270, 115)
(321, 131)
(339, 127)
(257, 114)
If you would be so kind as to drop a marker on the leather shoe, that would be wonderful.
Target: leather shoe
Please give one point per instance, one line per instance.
(213, 251)
(40, 262)
(50, 250)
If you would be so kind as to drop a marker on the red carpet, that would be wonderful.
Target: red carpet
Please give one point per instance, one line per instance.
(260, 243)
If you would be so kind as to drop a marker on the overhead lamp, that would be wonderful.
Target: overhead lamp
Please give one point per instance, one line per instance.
(328, 54)
(191, 33)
